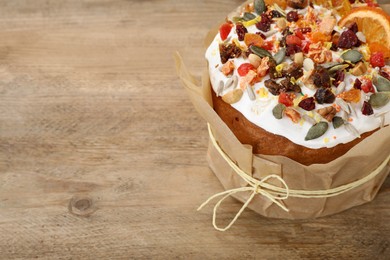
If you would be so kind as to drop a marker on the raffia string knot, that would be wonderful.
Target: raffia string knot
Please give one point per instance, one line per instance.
(274, 193)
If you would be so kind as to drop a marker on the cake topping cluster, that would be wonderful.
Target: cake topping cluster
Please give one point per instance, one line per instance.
(312, 58)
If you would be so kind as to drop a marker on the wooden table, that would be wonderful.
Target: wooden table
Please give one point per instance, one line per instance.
(103, 156)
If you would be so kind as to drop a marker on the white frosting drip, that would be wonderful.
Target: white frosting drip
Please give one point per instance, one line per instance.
(259, 111)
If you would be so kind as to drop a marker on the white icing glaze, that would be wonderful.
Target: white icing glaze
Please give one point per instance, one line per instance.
(259, 111)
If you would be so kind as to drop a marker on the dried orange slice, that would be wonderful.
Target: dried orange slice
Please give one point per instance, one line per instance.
(378, 47)
(372, 21)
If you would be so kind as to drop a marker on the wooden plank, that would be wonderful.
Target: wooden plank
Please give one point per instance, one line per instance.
(103, 156)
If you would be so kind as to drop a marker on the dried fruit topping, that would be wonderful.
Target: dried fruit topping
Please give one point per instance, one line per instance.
(244, 69)
(253, 39)
(275, 14)
(384, 74)
(357, 84)
(228, 68)
(278, 111)
(292, 49)
(293, 71)
(324, 95)
(367, 109)
(367, 86)
(377, 60)
(228, 51)
(297, 4)
(347, 40)
(338, 78)
(293, 40)
(224, 30)
(308, 104)
(352, 95)
(292, 16)
(273, 87)
(321, 77)
(327, 112)
(241, 31)
(265, 23)
(316, 131)
(293, 114)
(353, 27)
(285, 99)
(290, 86)
(304, 30)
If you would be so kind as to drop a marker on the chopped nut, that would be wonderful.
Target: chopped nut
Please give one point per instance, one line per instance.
(327, 112)
(281, 23)
(359, 69)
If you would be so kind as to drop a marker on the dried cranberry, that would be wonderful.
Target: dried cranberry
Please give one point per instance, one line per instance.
(367, 109)
(324, 95)
(347, 40)
(265, 23)
(353, 27)
(321, 77)
(357, 84)
(384, 74)
(241, 31)
(275, 14)
(377, 59)
(367, 86)
(307, 104)
(304, 30)
(338, 78)
(262, 35)
(292, 16)
(292, 49)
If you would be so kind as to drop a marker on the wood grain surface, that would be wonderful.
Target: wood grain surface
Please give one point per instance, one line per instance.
(102, 155)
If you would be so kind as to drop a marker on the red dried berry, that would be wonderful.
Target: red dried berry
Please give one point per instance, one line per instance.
(347, 40)
(357, 84)
(265, 23)
(244, 69)
(268, 45)
(224, 30)
(262, 35)
(367, 109)
(285, 99)
(377, 60)
(275, 14)
(338, 78)
(384, 74)
(299, 34)
(292, 39)
(292, 16)
(307, 104)
(367, 86)
(292, 49)
(353, 27)
(241, 31)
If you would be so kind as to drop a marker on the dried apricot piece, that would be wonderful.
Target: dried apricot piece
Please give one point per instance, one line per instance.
(253, 39)
(352, 95)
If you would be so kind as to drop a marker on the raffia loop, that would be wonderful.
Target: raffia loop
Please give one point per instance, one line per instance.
(275, 193)
(256, 189)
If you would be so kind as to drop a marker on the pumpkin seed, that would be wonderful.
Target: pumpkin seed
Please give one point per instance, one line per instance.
(380, 99)
(337, 122)
(280, 55)
(259, 6)
(338, 67)
(260, 52)
(250, 92)
(278, 111)
(352, 56)
(237, 19)
(248, 16)
(381, 83)
(316, 131)
(233, 96)
(352, 130)
(330, 64)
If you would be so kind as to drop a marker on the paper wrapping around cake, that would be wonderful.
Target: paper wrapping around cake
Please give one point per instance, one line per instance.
(359, 162)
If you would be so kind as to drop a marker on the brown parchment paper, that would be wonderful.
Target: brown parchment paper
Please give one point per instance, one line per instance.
(357, 163)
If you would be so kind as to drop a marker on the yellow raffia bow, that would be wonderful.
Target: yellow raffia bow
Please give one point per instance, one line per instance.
(274, 193)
